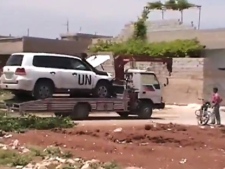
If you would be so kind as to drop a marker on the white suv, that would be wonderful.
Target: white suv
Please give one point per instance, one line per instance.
(43, 74)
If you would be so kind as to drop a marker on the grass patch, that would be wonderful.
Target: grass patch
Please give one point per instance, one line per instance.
(20, 124)
(13, 158)
(111, 165)
(5, 95)
(51, 151)
(9, 124)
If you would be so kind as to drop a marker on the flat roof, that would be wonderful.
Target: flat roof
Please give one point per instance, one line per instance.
(41, 53)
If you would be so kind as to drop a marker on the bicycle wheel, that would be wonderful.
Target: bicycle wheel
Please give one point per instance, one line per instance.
(205, 117)
(198, 117)
(197, 112)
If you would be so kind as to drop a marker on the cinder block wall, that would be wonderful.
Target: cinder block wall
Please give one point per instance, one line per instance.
(213, 76)
(185, 82)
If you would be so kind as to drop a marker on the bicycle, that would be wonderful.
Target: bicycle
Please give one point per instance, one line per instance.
(203, 114)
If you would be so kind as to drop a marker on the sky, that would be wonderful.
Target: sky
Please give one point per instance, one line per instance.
(47, 18)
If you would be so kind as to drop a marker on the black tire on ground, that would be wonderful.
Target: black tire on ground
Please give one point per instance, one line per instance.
(80, 112)
(58, 114)
(123, 114)
(145, 110)
(43, 89)
(102, 89)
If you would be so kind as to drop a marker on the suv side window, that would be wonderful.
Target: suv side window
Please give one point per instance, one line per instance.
(50, 62)
(77, 64)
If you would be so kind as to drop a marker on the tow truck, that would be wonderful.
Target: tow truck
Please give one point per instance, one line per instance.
(137, 92)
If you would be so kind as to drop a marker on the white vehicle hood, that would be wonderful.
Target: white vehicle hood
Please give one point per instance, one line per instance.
(97, 60)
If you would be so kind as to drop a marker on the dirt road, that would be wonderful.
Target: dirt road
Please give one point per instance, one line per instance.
(172, 114)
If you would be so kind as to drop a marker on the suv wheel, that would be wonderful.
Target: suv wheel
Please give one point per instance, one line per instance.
(43, 89)
(102, 89)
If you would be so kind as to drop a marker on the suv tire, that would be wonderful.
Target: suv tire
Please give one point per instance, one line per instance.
(43, 89)
(102, 89)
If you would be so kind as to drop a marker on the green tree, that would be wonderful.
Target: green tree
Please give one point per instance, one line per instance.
(158, 5)
(183, 5)
(179, 5)
(140, 28)
(171, 4)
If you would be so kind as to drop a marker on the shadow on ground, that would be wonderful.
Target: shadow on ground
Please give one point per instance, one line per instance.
(119, 118)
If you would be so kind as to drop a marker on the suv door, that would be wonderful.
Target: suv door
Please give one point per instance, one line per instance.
(48, 67)
(78, 75)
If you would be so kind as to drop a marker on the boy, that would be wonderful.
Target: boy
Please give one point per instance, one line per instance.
(216, 100)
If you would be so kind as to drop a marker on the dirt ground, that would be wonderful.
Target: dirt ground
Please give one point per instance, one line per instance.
(157, 146)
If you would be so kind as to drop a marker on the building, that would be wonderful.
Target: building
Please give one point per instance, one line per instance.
(11, 45)
(82, 36)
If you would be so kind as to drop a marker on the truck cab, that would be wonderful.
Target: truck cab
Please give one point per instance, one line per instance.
(147, 86)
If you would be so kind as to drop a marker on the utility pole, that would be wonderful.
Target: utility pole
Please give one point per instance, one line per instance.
(80, 29)
(28, 32)
(67, 26)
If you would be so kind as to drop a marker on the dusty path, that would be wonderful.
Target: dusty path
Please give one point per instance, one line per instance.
(174, 114)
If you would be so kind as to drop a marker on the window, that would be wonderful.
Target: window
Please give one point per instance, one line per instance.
(51, 62)
(149, 78)
(77, 65)
(129, 76)
(15, 60)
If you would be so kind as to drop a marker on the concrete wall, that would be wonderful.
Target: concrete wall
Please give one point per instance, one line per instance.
(33, 44)
(213, 76)
(185, 82)
(54, 46)
(213, 39)
(11, 46)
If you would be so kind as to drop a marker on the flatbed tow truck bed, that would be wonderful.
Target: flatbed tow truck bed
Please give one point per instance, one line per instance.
(76, 108)
(80, 108)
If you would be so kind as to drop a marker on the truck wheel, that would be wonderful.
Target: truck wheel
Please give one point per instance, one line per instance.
(80, 112)
(123, 114)
(145, 110)
(102, 89)
(43, 89)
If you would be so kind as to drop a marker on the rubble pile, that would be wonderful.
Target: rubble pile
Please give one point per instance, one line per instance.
(52, 157)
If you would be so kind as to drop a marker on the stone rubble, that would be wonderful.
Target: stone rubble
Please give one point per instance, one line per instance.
(51, 161)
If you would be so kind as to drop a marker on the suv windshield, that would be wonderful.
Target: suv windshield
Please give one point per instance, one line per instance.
(149, 78)
(15, 60)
